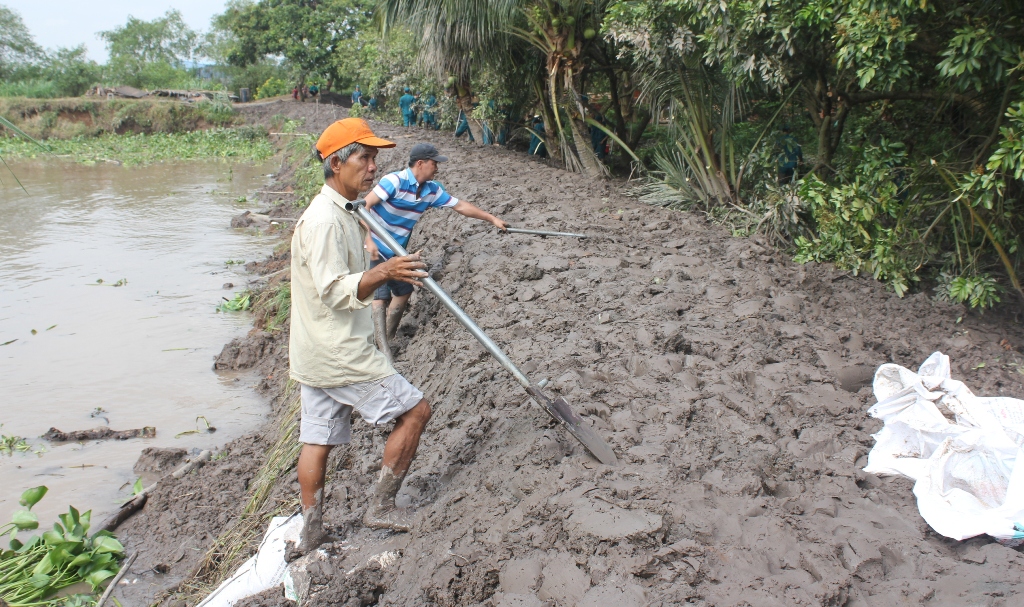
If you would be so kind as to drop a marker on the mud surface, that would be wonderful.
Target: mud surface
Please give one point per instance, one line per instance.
(732, 383)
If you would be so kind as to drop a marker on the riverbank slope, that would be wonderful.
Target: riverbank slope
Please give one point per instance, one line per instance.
(732, 383)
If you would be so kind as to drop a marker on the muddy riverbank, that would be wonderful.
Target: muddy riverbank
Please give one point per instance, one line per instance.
(732, 383)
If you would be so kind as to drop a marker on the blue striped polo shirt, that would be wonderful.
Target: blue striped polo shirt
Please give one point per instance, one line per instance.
(402, 202)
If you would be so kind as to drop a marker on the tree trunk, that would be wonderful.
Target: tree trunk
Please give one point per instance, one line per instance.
(592, 166)
(465, 103)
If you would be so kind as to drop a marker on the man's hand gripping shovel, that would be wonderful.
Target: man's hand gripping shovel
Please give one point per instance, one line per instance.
(557, 408)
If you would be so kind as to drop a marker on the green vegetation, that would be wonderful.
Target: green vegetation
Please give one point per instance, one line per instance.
(13, 444)
(273, 307)
(241, 302)
(272, 88)
(32, 572)
(244, 143)
(84, 117)
(909, 114)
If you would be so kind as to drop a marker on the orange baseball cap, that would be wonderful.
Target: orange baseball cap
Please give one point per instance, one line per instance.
(348, 131)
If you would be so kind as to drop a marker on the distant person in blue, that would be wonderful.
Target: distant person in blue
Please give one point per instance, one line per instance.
(405, 103)
(790, 155)
(429, 120)
(373, 104)
(398, 202)
(537, 147)
(357, 96)
(598, 138)
(463, 126)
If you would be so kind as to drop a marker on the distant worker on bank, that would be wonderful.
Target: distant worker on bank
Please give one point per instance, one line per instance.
(398, 201)
(429, 120)
(357, 96)
(790, 155)
(405, 103)
(331, 352)
(537, 147)
(598, 138)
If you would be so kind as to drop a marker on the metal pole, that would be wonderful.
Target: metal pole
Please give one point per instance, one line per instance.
(544, 233)
(359, 208)
(557, 408)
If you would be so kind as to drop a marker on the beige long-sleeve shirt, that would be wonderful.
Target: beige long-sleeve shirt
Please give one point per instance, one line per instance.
(331, 343)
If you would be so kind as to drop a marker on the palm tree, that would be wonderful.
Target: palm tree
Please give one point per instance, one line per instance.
(456, 36)
(460, 36)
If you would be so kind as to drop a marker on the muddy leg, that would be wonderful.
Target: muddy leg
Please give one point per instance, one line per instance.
(380, 335)
(398, 453)
(312, 471)
(395, 312)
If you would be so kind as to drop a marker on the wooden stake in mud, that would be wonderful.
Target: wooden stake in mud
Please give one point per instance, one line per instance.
(558, 408)
(117, 578)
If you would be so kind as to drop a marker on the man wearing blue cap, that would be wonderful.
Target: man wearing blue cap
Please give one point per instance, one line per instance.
(398, 201)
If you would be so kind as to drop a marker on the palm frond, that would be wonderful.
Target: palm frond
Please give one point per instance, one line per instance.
(17, 131)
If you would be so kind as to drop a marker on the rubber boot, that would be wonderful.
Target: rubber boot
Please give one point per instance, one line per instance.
(382, 513)
(395, 314)
(380, 331)
(313, 533)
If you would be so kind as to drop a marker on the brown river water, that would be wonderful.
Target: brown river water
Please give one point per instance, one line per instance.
(142, 352)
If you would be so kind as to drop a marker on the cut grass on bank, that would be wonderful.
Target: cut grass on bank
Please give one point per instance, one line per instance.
(243, 143)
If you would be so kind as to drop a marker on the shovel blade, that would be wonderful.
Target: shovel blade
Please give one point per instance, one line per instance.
(563, 413)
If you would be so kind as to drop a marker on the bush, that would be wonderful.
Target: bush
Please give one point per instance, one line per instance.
(272, 88)
(34, 89)
(71, 72)
(861, 219)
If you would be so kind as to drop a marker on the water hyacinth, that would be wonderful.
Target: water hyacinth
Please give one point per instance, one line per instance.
(31, 573)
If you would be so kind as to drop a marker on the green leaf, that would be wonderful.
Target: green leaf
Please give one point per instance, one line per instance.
(104, 544)
(16, 545)
(23, 519)
(32, 496)
(39, 580)
(81, 559)
(54, 536)
(98, 577)
(137, 487)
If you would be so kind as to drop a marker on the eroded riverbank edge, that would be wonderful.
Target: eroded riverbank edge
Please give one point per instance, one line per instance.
(729, 380)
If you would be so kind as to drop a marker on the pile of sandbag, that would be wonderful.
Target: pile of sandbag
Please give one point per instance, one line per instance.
(961, 450)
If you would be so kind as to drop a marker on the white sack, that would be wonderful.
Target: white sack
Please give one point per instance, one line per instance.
(263, 570)
(967, 481)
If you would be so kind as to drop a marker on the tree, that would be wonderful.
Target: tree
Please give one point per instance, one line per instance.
(142, 52)
(460, 37)
(314, 36)
(71, 71)
(16, 43)
(456, 38)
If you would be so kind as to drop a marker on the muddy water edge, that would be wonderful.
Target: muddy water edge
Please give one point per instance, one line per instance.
(108, 292)
(729, 380)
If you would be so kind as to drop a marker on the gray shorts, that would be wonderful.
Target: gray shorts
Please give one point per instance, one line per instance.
(327, 412)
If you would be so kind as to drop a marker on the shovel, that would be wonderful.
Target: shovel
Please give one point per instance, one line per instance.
(557, 408)
(544, 233)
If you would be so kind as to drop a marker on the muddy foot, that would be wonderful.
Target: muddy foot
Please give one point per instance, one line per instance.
(393, 519)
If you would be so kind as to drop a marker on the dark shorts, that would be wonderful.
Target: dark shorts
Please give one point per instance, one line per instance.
(392, 288)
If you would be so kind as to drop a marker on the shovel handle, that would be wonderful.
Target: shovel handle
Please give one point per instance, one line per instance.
(557, 409)
(544, 233)
(359, 208)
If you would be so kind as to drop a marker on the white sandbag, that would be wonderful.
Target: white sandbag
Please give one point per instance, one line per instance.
(263, 570)
(961, 450)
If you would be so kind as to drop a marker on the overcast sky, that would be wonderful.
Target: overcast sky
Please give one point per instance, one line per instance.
(69, 23)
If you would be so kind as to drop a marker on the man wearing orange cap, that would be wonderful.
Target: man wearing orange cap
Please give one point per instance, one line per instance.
(331, 348)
